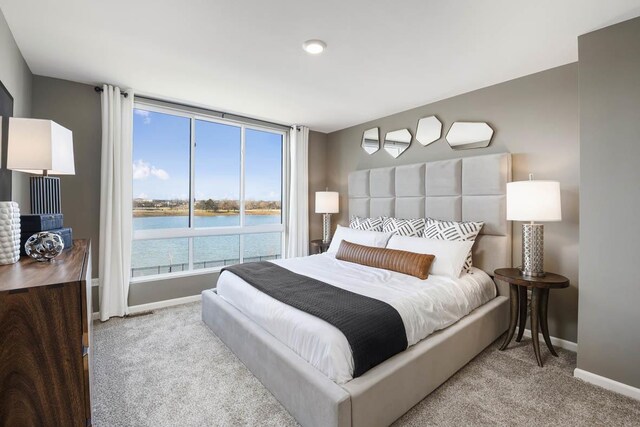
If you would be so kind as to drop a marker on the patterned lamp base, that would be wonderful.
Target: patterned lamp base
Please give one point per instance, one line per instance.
(45, 195)
(532, 250)
(326, 228)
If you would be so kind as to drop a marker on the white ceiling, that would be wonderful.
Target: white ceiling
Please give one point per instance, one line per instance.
(245, 56)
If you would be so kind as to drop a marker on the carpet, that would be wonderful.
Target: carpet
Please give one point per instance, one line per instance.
(169, 369)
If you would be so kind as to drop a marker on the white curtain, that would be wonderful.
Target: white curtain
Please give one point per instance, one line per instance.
(115, 202)
(298, 227)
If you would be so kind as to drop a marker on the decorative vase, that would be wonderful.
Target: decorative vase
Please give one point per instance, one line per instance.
(44, 246)
(9, 232)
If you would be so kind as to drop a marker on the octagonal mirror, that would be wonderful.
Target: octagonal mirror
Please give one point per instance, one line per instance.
(371, 140)
(465, 135)
(429, 130)
(397, 142)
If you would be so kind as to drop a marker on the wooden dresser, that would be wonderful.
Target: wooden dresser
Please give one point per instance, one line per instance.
(45, 340)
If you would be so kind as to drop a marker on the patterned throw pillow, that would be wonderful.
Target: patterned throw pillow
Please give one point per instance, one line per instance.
(453, 230)
(366, 224)
(404, 227)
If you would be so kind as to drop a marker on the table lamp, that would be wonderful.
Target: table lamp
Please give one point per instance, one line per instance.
(41, 147)
(326, 204)
(533, 201)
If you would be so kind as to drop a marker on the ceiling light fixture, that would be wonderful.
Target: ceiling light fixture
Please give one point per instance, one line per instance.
(314, 47)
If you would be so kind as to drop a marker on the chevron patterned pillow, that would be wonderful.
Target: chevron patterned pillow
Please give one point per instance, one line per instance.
(453, 230)
(366, 224)
(404, 227)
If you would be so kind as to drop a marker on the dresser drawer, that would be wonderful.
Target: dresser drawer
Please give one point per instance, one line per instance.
(40, 361)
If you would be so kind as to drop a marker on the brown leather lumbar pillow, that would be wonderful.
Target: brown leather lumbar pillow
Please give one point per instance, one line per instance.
(410, 263)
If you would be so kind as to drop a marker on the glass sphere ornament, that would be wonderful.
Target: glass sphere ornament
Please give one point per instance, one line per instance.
(44, 246)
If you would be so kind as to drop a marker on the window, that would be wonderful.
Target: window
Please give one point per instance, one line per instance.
(207, 192)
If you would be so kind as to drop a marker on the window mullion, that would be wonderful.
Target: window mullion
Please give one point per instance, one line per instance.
(242, 173)
(192, 177)
(284, 193)
(242, 182)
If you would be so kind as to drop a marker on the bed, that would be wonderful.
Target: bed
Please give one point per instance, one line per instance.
(471, 188)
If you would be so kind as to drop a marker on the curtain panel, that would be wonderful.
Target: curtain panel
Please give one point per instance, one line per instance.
(115, 202)
(298, 218)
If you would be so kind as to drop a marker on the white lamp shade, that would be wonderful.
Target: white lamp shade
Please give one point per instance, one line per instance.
(327, 202)
(534, 201)
(37, 145)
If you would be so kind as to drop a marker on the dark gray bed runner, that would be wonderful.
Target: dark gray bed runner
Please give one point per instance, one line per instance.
(373, 328)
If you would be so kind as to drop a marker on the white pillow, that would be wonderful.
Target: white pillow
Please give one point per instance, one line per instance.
(376, 239)
(454, 230)
(450, 254)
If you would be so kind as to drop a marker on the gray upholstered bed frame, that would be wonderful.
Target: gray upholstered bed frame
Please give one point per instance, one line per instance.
(472, 188)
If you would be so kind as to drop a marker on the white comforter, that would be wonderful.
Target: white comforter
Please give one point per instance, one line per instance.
(424, 305)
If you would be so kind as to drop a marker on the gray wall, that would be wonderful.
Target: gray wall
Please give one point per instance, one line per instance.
(76, 106)
(17, 78)
(609, 336)
(159, 290)
(317, 179)
(536, 119)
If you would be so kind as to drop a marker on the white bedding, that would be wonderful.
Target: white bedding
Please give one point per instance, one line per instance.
(424, 305)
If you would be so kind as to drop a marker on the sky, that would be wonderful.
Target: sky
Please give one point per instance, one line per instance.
(161, 159)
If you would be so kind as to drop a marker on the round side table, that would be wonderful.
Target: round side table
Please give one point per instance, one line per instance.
(318, 247)
(540, 287)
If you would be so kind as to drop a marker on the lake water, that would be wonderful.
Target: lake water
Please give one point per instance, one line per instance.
(171, 255)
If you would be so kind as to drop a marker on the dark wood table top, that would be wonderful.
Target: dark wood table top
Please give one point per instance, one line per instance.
(514, 276)
(29, 273)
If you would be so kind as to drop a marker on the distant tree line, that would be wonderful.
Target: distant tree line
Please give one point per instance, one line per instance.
(224, 205)
(234, 205)
(218, 205)
(158, 204)
(262, 204)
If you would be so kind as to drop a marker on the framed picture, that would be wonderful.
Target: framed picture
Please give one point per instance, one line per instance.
(6, 111)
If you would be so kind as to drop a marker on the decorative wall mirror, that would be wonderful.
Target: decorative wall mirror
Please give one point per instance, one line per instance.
(465, 135)
(429, 130)
(371, 140)
(396, 142)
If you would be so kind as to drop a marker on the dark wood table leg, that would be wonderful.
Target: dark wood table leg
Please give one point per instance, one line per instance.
(535, 310)
(513, 295)
(544, 326)
(522, 317)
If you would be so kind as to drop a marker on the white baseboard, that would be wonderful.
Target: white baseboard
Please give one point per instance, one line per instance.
(157, 305)
(557, 342)
(607, 383)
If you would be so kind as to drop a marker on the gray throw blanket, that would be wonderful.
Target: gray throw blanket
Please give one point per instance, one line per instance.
(373, 328)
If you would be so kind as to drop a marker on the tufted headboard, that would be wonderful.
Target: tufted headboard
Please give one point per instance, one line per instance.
(466, 189)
